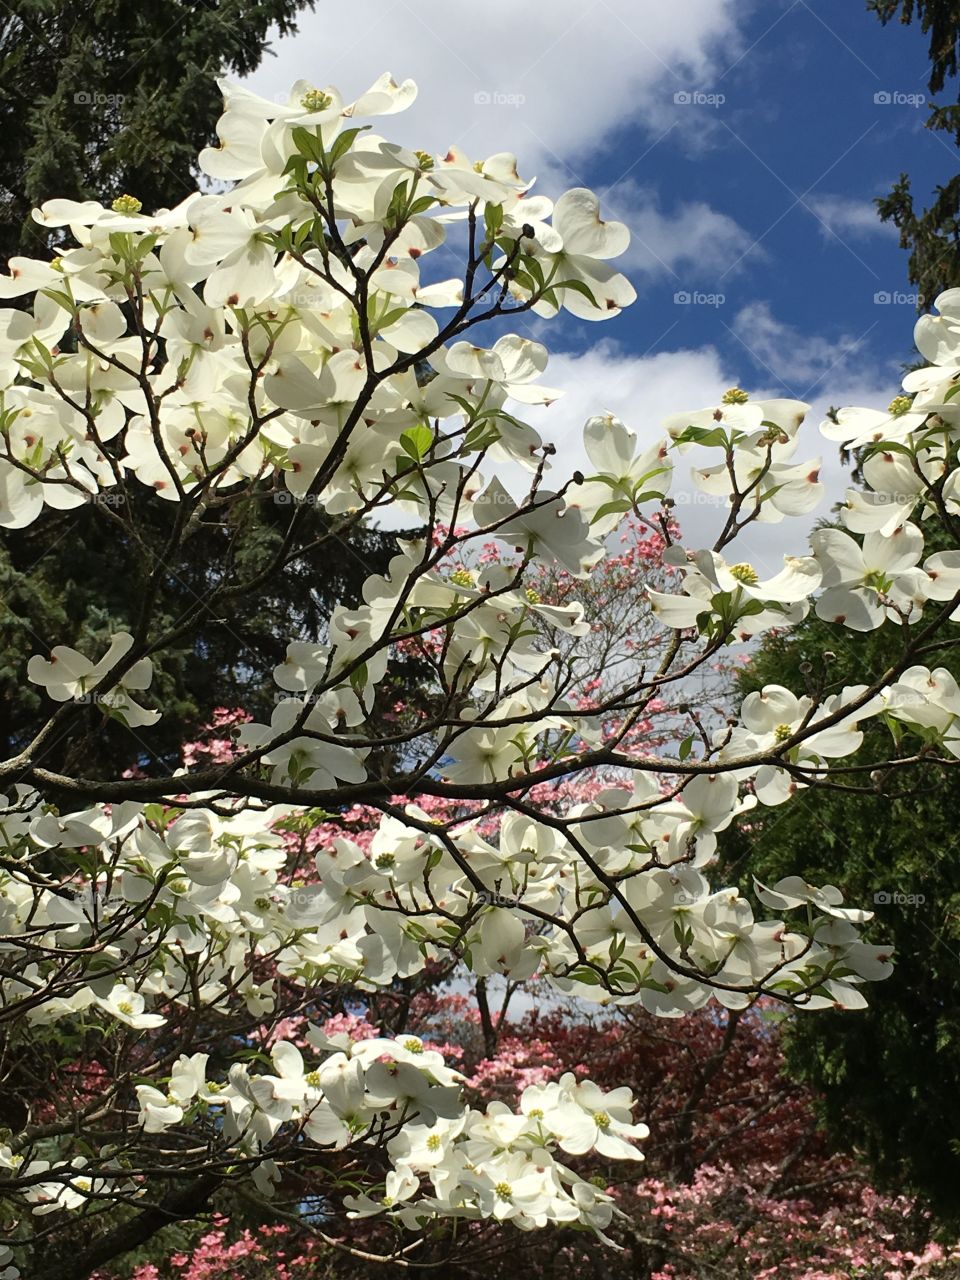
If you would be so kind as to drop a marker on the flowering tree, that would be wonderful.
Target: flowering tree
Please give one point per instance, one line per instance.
(713, 1195)
(282, 343)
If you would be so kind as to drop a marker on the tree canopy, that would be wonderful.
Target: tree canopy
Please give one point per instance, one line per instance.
(933, 234)
(104, 97)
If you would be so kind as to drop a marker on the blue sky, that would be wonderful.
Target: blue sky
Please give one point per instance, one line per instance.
(750, 193)
(794, 156)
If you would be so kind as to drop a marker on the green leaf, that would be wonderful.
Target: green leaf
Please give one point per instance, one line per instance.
(711, 437)
(525, 281)
(585, 975)
(532, 265)
(577, 286)
(421, 205)
(309, 145)
(492, 221)
(344, 142)
(612, 508)
(61, 299)
(417, 442)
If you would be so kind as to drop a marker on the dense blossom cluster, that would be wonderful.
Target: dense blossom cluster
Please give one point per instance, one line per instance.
(711, 1197)
(282, 342)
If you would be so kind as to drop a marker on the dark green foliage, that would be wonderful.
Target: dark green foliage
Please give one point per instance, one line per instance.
(100, 97)
(889, 1073)
(933, 234)
(940, 20)
(75, 577)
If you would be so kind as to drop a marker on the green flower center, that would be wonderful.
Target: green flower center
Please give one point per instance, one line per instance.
(462, 578)
(601, 1119)
(413, 1046)
(425, 159)
(878, 580)
(899, 405)
(503, 1191)
(126, 204)
(744, 573)
(782, 732)
(735, 395)
(316, 100)
(433, 1142)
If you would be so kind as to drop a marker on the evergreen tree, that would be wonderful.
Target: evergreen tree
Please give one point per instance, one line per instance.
(106, 97)
(883, 1071)
(932, 235)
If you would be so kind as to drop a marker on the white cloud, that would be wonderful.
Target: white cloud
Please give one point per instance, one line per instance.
(692, 243)
(801, 363)
(547, 81)
(842, 216)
